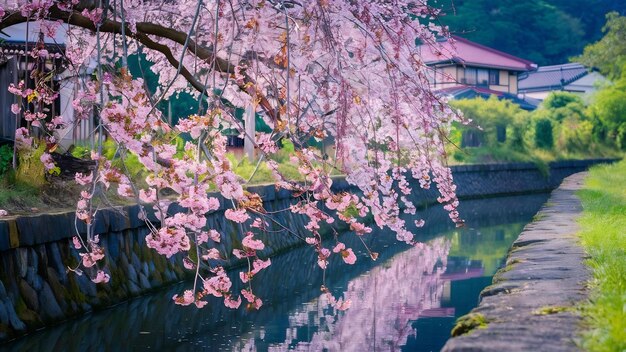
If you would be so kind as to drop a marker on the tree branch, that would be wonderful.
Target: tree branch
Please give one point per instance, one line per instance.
(147, 28)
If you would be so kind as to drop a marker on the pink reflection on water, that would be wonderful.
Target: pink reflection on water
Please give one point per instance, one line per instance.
(386, 300)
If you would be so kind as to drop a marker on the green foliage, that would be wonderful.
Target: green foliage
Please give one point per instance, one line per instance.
(544, 138)
(6, 158)
(609, 53)
(533, 30)
(562, 128)
(119, 158)
(543, 31)
(489, 116)
(575, 135)
(603, 235)
(244, 169)
(571, 130)
(556, 100)
(609, 107)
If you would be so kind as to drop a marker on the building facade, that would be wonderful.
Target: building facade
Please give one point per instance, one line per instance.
(461, 62)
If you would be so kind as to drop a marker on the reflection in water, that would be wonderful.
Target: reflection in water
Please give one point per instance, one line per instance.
(407, 300)
(385, 303)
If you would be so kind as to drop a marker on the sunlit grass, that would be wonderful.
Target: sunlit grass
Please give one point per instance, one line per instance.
(603, 235)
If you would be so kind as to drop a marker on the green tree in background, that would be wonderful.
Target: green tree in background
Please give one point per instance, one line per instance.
(569, 123)
(543, 31)
(609, 53)
(609, 107)
(544, 138)
(561, 99)
(609, 104)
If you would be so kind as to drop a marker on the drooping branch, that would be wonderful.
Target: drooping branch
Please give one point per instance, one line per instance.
(143, 31)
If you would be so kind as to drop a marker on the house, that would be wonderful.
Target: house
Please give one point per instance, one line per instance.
(572, 77)
(463, 69)
(15, 66)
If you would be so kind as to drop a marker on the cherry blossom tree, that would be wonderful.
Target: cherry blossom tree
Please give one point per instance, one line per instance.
(346, 71)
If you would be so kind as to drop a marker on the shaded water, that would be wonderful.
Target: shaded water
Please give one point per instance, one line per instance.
(406, 300)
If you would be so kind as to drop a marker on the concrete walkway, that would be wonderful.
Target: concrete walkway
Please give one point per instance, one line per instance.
(528, 308)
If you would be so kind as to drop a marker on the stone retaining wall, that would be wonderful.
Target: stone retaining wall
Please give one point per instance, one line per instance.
(35, 251)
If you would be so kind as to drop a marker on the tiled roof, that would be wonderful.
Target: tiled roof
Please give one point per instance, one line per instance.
(471, 92)
(473, 54)
(552, 77)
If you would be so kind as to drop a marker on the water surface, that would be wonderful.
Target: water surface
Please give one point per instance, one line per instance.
(407, 300)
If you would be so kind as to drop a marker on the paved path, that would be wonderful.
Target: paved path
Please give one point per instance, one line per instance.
(527, 308)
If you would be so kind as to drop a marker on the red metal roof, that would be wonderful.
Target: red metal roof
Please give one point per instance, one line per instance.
(468, 53)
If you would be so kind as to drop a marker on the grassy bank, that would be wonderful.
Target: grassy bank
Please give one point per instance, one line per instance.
(603, 235)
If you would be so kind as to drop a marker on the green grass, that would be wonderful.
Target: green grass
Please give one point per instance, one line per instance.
(503, 153)
(603, 236)
(17, 195)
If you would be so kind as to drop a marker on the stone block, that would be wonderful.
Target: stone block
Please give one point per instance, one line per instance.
(5, 242)
(119, 221)
(4, 314)
(14, 320)
(50, 309)
(29, 295)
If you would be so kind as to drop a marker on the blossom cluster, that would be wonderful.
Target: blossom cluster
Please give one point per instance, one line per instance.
(342, 81)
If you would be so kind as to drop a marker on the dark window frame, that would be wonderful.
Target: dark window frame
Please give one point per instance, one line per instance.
(494, 77)
(471, 74)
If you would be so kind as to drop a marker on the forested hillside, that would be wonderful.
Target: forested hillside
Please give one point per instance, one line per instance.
(543, 31)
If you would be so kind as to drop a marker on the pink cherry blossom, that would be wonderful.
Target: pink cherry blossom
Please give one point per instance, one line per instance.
(231, 303)
(238, 215)
(250, 243)
(212, 253)
(101, 277)
(83, 179)
(254, 301)
(304, 89)
(186, 299)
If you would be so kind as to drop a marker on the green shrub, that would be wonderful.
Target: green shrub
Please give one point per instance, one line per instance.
(575, 135)
(557, 100)
(494, 122)
(543, 133)
(6, 158)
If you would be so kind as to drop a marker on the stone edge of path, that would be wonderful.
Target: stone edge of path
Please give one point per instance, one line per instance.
(529, 305)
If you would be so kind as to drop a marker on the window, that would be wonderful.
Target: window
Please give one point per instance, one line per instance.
(470, 75)
(494, 77)
(482, 77)
(476, 76)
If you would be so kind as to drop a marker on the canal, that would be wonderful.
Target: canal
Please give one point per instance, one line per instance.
(407, 300)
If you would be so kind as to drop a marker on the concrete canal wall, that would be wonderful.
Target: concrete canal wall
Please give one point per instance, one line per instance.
(531, 304)
(35, 251)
